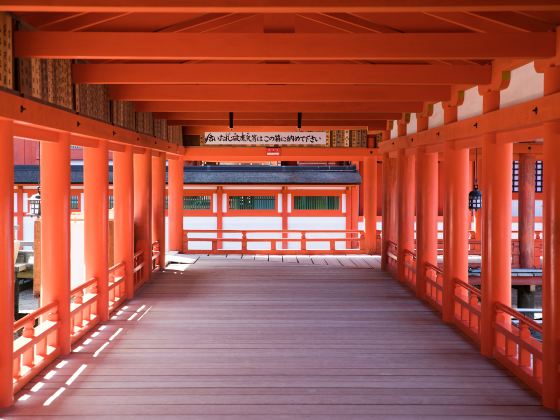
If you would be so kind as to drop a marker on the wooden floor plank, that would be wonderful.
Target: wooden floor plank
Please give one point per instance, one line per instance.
(238, 339)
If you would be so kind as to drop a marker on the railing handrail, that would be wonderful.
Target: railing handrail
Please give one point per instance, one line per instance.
(116, 267)
(20, 323)
(519, 316)
(272, 230)
(79, 288)
(410, 253)
(467, 286)
(138, 253)
(430, 266)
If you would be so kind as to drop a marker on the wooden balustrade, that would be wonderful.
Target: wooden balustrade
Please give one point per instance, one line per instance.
(434, 285)
(467, 311)
(274, 241)
(392, 258)
(410, 269)
(36, 345)
(138, 269)
(83, 309)
(117, 286)
(156, 252)
(518, 345)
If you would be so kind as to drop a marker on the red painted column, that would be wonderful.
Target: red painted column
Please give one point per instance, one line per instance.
(386, 234)
(426, 210)
(158, 204)
(526, 213)
(142, 206)
(96, 222)
(406, 205)
(20, 213)
(55, 233)
(455, 217)
(220, 214)
(123, 191)
(551, 244)
(497, 160)
(369, 188)
(175, 204)
(6, 263)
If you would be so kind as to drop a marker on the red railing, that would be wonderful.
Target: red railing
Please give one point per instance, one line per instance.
(36, 345)
(155, 256)
(275, 241)
(117, 285)
(410, 269)
(434, 285)
(538, 251)
(467, 302)
(138, 270)
(517, 347)
(83, 309)
(392, 258)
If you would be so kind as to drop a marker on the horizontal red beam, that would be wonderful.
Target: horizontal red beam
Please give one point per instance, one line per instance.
(277, 6)
(247, 46)
(285, 106)
(275, 93)
(309, 116)
(325, 124)
(336, 74)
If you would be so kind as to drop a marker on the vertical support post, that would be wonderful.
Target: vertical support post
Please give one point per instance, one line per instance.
(369, 188)
(175, 203)
(386, 224)
(55, 233)
(455, 218)
(285, 225)
(551, 245)
(142, 207)
(496, 233)
(123, 189)
(405, 211)
(158, 205)
(96, 222)
(526, 231)
(6, 263)
(219, 215)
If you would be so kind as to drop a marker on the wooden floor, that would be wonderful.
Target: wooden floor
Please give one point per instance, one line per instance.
(236, 339)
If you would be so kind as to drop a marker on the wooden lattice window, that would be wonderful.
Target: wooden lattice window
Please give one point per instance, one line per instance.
(250, 202)
(316, 202)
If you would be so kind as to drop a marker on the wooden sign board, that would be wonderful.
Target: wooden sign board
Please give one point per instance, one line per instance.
(236, 138)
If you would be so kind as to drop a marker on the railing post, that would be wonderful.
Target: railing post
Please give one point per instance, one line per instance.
(142, 206)
(6, 263)
(55, 233)
(405, 199)
(175, 204)
(369, 189)
(123, 192)
(96, 220)
(386, 223)
(551, 251)
(496, 233)
(158, 205)
(455, 217)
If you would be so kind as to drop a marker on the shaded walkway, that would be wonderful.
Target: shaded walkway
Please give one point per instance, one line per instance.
(251, 339)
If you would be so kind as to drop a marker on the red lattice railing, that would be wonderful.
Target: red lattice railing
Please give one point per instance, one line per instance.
(410, 269)
(392, 258)
(467, 310)
(117, 286)
(434, 285)
(83, 308)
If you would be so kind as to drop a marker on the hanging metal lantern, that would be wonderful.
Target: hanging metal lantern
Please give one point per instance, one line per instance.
(35, 204)
(475, 196)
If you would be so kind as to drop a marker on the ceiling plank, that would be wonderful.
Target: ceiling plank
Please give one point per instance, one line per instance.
(280, 73)
(309, 116)
(243, 46)
(274, 93)
(224, 124)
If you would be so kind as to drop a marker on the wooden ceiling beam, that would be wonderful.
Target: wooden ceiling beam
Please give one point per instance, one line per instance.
(281, 74)
(280, 106)
(224, 124)
(276, 6)
(274, 93)
(308, 116)
(247, 46)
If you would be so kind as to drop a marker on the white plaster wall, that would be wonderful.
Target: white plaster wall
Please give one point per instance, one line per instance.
(77, 260)
(472, 105)
(437, 116)
(200, 223)
(525, 84)
(319, 223)
(411, 126)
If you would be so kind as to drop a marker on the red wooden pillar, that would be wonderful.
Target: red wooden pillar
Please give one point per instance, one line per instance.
(175, 204)
(497, 160)
(96, 222)
(455, 217)
(6, 263)
(285, 225)
(526, 213)
(405, 210)
(123, 190)
(142, 206)
(55, 233)
(426, 210)
(551, 245)
(385, 209)
(369, 189)
(158, 205)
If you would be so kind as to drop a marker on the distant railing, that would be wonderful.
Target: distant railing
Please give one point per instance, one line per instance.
(155, 256)
(36, 345)
(467, 311)
(83, 309)
(518, 345)
(138, 270)
(392, 258)
(117, 285)
(275, 241)
(434, 285)
(410, 269)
